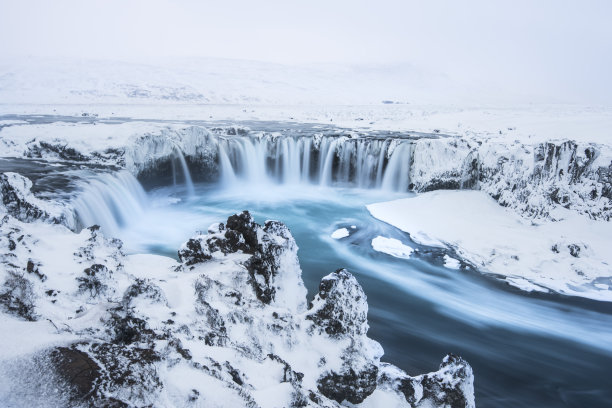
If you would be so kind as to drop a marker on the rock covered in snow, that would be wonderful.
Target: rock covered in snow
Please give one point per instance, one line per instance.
(143, 330)
(340, 307)
(19, 202)
(451, 386)
(270, 249)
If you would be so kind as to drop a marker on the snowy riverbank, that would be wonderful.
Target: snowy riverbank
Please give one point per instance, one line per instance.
(570, 256)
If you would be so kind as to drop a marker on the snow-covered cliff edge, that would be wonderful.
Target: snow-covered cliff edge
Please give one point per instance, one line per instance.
(532, 178)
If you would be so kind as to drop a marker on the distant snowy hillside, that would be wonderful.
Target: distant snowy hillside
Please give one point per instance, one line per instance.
(211, 81)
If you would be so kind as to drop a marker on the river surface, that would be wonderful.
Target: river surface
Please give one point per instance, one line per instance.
(526, 350)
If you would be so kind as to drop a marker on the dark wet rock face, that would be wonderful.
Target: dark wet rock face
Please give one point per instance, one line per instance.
(78, 369)
(241, 234)
(340, 308)
(438, 389)
(350, 386)
(13, 190)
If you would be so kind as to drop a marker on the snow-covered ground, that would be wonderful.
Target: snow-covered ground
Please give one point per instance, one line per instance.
(401, 97)
(571, 256)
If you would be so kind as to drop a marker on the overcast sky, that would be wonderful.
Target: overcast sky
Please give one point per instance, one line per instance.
(562, 48)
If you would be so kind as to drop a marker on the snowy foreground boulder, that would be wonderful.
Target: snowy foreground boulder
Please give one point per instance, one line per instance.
(83, 324)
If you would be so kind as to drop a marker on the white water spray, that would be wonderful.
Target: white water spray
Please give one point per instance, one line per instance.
(111, 201)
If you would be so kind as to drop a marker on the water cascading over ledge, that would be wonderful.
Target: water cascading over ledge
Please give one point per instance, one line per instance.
(371, 163)
(532, 179)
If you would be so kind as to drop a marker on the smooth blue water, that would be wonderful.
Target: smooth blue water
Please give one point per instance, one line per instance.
(526, 350)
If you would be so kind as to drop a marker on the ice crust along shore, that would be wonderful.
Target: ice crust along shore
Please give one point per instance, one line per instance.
(228, 325)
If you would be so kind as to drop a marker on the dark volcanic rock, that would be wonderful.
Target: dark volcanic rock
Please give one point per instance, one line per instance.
(340, 308)
(17, 296)
(574, 250)
(451, 386)
(442, 392)
(192, 252)
(14, 190)
(350, 385)
(77, 369)
(242, 234)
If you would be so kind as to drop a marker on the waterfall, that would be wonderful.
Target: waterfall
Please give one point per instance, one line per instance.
(381, 161)
(397, 174)
(110, 201)
(332, 160)
(114, 200)
(306, 144)
(325, 177)
(226, 170)
(186, 175)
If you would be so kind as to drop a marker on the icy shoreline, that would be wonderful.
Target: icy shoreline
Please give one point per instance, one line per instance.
(570, 256)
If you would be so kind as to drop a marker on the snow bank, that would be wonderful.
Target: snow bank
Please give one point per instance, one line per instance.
(570, 256)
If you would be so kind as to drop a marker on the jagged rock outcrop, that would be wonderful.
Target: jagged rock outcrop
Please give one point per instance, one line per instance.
(19, 202)
(269, 248)
(449, 387)
(227, 326)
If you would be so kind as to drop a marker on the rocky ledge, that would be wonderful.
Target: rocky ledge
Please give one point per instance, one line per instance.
(227, 325)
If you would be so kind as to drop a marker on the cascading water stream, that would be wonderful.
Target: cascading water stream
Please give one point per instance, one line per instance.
(186, 174)
(111, 201)
(397, 174)
(329, 161)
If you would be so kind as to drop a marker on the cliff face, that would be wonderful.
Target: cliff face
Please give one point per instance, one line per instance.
(228, 325)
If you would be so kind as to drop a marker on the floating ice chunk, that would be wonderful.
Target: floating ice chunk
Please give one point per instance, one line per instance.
(340, 233)
(602, 286)
(451, 263)
(391, 246)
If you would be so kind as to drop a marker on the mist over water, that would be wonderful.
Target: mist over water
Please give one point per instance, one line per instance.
(526, 350)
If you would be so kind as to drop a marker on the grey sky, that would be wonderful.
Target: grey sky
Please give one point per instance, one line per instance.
(562, 48)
